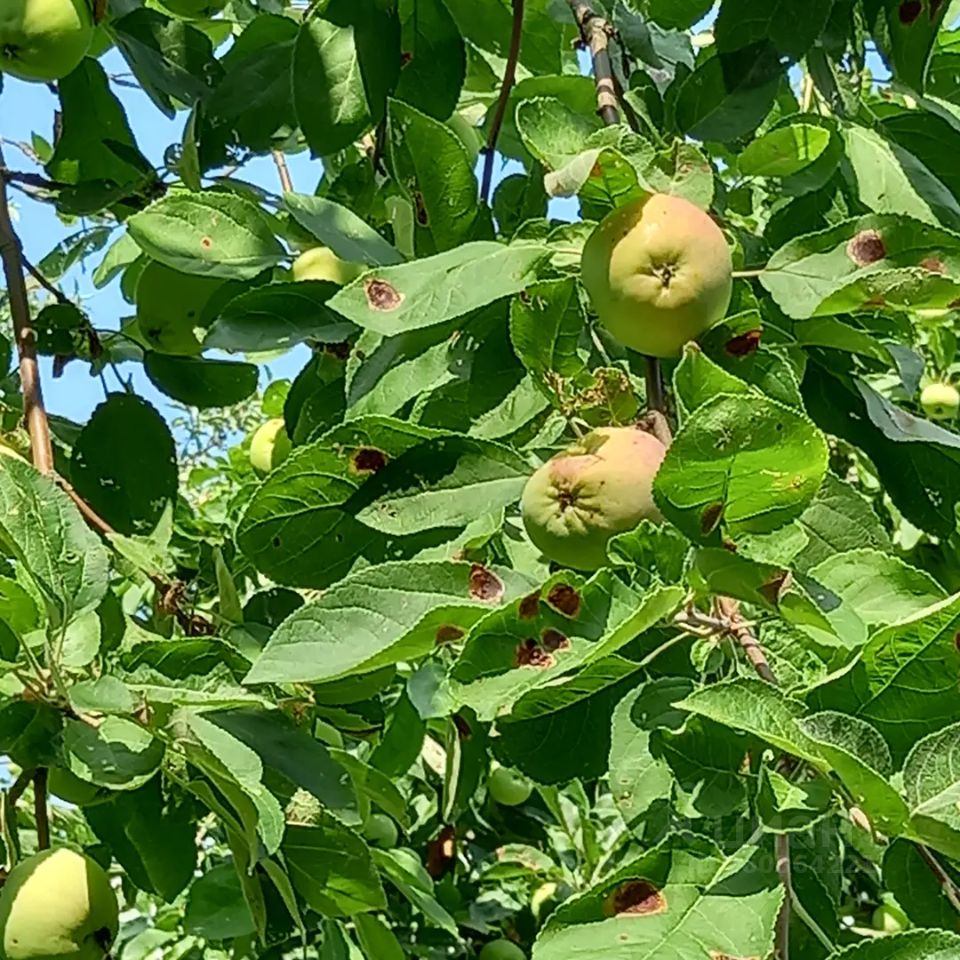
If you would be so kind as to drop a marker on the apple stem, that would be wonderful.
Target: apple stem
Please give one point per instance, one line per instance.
(654, 381)
(509, 76)
(35, 414)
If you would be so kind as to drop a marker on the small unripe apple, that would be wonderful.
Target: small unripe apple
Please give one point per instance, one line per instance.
(501, 950)
(58, 905)
(321, 263)
(44, 40)
(544, 900)
(940, 401)
(508, 787)
(598, 488)
(659, 273)
(270, 446)
(381, 831)
(889, 918)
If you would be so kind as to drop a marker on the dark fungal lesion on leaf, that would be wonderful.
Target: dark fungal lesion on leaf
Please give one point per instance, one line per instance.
(743, 344)
(909, 10)
(565, 599)
(711, 516)
(529, 606)
(485, 584)
(866, 247)
(448, 633)
(635, 898)
(552, 640)
(933, 264)
(368, 460)
(423, 218)
(529, 653)
(382, 295)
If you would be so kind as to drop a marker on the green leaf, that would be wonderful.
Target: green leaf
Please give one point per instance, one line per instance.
(116, 753)
(903, 682)
(201, 383)
(434, 58)
(807, 270)
(435, 171)
(130, 492)
(216, 908)
(791, 26)
(377, 939)
(439, 288)
(381, 615)
(340, 229)
(784, 151)
(555, 133)
(331, 868)
(891, 180)
(442, 483)
(748, 462)
(278, 316)
(931, 783)
(677, 14)
(346, 61)
(911, 29)
(61, 557)
(729, 93)
(211, 234)
(909, 878)
(911, 945)
(787, 807)
(404, 870)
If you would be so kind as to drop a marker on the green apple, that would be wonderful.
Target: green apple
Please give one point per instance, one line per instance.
(501, 950)
(508, 787)
(940, 401)
(58, 905)
(381, 831)
(44, 40)
(659, 273)
(889, 918)
(321, 263)
(543, 901)
(600, 487)
(270, 446)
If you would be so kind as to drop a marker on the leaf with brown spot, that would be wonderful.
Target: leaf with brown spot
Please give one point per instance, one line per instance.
(909, 10)
(743, 344)
(368, 460)
(554, 640)
(635, 898)
(710, 518)
(933, 264)
(565, 599)
(423, 218)
(449, 633)
(530, 654)
(485, 584)
(382, 295)
(529, 606)
(866, 247)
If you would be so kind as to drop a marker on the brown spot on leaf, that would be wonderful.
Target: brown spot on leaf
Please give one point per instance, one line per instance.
(772, 588)
(368, 460)
(909, 10)
(442, 852)
(743, 344)
(423, 218)
(525, 297)
(866, 247)
(448, 633)
(464, 731)
(405, 58)
(531, 654)
(717, 955)
(933, 264)
(596, 170)
(554, 640)
(339, 350)
(564, 599)
(711, 516)
(956, 640)
(206, 243)
(485, 584)
(530, 605)
(874, 303)
(382, 295)
(635, 898)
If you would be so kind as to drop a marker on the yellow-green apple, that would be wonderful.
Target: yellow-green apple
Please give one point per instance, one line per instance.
(321, 263)
(600, 487)
(659, 273)
(270, 446)
(44, 40)
(940, 401)
(58, 905)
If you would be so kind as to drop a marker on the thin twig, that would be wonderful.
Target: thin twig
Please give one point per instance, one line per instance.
(740, 630)
(57, 294)
(596, 35)
(654, 384)
(41, 813)
(34, 411)
(509, 76)
(20, 785)
(283, 171)
(32, 180)
(950, 889)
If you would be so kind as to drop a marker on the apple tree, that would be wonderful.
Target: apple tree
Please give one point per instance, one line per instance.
(590, 588)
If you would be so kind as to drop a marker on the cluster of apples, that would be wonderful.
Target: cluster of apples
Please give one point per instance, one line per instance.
(659, 273)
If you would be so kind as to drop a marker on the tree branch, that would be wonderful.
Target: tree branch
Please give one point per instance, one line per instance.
(40, 810)
(950, 890)
(283, 171)
(595, 32)
(509, 76)
(34, 411)
(740, 630)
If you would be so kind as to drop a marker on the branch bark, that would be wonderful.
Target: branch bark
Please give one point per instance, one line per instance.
(40, 809)
(34, 412)
(283, 171)
(509, 77)
(596, 35)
